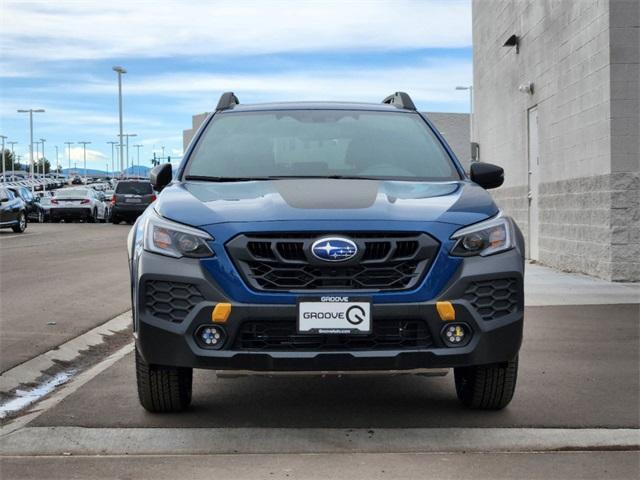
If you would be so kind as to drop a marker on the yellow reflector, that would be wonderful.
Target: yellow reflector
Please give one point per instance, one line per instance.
(221, 312)
(446, 311)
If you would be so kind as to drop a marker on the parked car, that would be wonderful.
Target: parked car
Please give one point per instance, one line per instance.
(12, 211)
(77, 204)
(33, 210)
(130, 199)
(106, 200)
(45, 204)
(325, 237)
(76, 180)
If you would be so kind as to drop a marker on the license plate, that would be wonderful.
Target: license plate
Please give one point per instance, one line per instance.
(334, 315)
(133, 200)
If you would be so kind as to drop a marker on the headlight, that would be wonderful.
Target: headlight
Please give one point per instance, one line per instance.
(174, 239)
(484, 238)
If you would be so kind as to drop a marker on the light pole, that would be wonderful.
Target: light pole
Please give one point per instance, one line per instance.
(120, 70)
(68, 144)
(127, 135)
(470, 88)
(31, 111)
(84, 155)
(113, 165)
(57, 162)
(4, 178)
(138, 147)
(42, 140)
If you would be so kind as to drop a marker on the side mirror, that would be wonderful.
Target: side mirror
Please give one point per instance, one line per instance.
(487, 175)
(160, 176)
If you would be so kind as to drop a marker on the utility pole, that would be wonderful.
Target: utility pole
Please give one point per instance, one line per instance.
(138, 147)
(57, 163)
(120, 71)
(68, 144)
(4, 177)
(127, 135)
(42, 140)
(31, 111)
(113, 166)
(84, 154)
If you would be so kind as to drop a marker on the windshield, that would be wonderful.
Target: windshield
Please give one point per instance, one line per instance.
(320, 143)
(134, 188)
(72, 193)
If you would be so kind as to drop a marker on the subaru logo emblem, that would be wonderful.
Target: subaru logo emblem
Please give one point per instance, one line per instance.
(334, 249)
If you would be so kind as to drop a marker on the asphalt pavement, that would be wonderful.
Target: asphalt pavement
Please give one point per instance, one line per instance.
(58, 280)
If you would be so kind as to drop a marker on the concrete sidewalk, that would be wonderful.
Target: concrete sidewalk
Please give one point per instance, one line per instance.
(545, 286)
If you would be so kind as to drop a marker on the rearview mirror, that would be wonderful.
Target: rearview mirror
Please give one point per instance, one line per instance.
(160, 176)
(487, 175)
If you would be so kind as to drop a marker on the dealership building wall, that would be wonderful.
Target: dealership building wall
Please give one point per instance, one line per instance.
(570, 146)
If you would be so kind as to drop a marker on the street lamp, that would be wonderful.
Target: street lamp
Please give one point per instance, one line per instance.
(120, 70)
(4, 177)
(68, 144)
(113, 165)
(84, 154)
(31, 111)
(57, 162)
(138, 147)
(470, 88)
(42, 140)
(127, 135)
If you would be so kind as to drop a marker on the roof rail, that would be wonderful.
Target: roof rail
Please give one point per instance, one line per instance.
(400, 100)
(227, 100)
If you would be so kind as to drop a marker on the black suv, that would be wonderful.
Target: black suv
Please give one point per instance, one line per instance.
(130, 199)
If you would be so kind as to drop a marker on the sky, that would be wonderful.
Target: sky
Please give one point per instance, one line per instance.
(180, 55)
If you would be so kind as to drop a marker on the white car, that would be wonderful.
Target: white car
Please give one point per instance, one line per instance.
(78, 203)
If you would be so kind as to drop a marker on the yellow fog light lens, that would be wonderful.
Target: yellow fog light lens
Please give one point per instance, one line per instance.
(221, 313)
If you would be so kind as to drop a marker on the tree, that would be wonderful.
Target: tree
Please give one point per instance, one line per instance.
(10, 161)
(38, 166)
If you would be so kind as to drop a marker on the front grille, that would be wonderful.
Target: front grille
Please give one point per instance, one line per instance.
(281, 335)
(283, 262)
(494, 298)
(171, 301)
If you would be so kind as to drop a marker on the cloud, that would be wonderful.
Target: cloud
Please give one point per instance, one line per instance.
(94, 29)
(433, 82)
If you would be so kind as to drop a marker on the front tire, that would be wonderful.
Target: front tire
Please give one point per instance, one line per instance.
(163, 389)
(22, 224)
(93, 217)
(487, 387)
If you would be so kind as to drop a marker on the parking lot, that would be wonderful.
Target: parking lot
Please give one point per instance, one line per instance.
(58, 281)
(578, 390)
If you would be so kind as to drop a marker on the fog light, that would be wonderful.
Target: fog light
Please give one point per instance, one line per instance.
(210, 336)
(456, 334)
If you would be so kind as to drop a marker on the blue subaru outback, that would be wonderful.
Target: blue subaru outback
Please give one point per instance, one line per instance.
(325, 237)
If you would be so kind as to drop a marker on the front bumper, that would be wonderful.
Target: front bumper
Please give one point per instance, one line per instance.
(163, 342)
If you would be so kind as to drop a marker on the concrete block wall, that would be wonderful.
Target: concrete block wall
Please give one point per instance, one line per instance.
(581, 56)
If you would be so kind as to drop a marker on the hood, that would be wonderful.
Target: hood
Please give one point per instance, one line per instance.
(206, 203)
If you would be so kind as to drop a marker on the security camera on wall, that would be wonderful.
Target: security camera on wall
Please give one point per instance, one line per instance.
(526, 88)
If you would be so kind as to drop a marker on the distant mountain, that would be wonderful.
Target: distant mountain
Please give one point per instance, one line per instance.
(140, 171)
